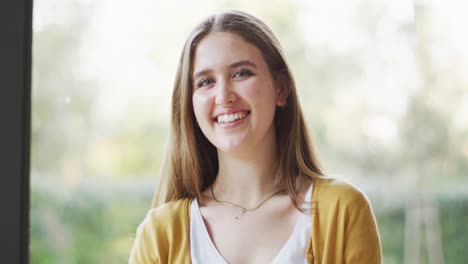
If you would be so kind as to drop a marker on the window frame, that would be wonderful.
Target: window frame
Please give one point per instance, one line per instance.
(15, 120)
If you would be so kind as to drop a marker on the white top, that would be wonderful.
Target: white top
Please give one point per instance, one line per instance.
(203, 251)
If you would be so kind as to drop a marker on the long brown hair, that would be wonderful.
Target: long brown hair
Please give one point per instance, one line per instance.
(191, 163)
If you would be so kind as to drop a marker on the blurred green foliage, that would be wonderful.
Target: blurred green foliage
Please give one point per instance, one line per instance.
(95, 223)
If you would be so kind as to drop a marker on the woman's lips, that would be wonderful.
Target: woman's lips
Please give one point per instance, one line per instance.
(234, 123)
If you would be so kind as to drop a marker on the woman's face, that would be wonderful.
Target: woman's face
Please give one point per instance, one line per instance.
(234, 96)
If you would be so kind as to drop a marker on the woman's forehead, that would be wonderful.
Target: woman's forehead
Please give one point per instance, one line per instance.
(221, 49)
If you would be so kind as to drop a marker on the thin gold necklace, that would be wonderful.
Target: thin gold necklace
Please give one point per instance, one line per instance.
(243, 209)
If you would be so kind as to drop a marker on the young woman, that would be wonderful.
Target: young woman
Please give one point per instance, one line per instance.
(241, 183)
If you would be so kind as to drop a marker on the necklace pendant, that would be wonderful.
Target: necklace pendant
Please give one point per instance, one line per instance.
(243, 210)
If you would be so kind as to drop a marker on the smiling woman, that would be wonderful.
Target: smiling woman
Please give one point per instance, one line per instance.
(236, 88)
(242, 183)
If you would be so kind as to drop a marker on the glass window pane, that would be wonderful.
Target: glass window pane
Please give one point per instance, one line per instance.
(382, 84)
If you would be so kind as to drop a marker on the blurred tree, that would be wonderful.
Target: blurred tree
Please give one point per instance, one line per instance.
(62, 100)
(426, 146)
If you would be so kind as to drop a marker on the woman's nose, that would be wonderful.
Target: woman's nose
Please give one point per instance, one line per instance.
(224, 94)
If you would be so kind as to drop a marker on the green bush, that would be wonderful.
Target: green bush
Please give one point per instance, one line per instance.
(96, 222)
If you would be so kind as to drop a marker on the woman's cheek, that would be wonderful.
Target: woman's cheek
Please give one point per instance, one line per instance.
(261, 89)
(254, 90)
(201, 106)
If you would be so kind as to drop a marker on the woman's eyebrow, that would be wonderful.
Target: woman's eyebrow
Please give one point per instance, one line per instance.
(242, 63)
(232, 65)
(200, 73)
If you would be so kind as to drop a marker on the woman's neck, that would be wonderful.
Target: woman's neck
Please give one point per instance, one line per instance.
(246, 179)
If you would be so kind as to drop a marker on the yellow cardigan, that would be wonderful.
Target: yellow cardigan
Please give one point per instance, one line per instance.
(344, 229)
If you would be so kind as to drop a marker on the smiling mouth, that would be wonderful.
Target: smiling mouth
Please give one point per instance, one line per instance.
(230, 118)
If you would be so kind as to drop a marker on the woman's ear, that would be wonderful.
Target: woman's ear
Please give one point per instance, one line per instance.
(283, 88)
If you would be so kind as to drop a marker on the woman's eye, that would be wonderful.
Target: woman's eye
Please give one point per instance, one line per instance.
(204, 82)
(242, 73)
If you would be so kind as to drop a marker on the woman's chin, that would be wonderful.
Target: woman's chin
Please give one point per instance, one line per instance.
(231, 146)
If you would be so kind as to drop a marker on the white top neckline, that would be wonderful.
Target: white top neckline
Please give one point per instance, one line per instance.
(203, 250)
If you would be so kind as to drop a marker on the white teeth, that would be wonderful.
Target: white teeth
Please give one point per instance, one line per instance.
(231, 117)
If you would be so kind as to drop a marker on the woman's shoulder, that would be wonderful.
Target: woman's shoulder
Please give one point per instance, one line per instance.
(169, 212)
(166, 217)
(168, 220)
(162, 227)
(334, 190)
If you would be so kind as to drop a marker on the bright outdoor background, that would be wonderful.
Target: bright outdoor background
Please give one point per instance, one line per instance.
(384, 85)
